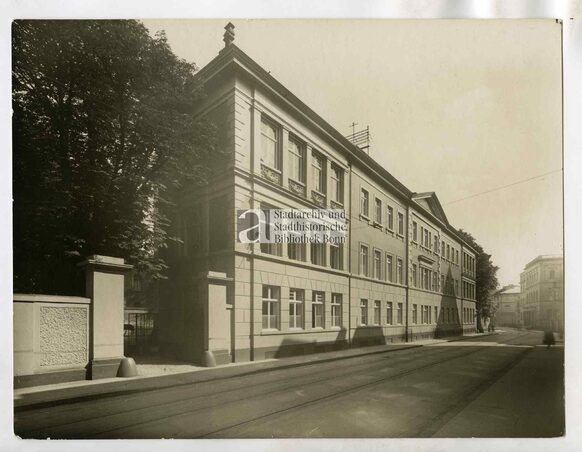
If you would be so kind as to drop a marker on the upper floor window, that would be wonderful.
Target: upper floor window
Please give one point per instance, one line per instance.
(389, 268)
(377, 264)
(296, 251)
(399, 269)
(378, 211)
(390, 219)
(365, 203)
(296, 160)
(400, 223)
(443, 248)
(364, 256)
(414, 275)
(270, 248)
(414, 231)
(270, 144)
(318, 172)
(457, 257)
(336, 256)
(337, 184)
(318, 253)
(448, 252)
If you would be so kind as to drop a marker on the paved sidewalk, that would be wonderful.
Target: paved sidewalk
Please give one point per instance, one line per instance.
(160, 376)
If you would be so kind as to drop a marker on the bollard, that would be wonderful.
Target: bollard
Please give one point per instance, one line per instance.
(127, 368)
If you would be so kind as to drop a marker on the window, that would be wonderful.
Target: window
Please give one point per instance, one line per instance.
(378, 211)
(443, 248)
(457, 257)
(448, 252)
(390, 219)
(436, 314)
(363, 312)
(426, 239)
(377, 264)
(389, 269)
(296, 299)
(414, 231)
(400, 223)
(337, 184)
(317, 309)
(296, 160)
(377, 308)
(336, 309)
(270, 148)
(270, 248)
(414, 313)
(336, 259)
(318, 254)
(364, 260)
(436, 245)
(318, 172)
(389, 319)
(270, 307)
(365, 203)
(435, 281)
(443, 283)
(399, 271)
(414, 275)
(296, 251)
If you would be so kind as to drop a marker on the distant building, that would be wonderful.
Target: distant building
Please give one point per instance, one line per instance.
(542, 293)
(507, 301)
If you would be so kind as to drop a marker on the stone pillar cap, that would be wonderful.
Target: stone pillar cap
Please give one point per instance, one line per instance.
(106, 263)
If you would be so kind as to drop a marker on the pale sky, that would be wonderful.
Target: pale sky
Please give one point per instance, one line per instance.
(457, 107)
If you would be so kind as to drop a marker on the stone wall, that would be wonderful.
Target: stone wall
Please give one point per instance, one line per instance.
(51, 334)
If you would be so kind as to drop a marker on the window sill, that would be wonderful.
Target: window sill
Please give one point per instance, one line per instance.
(364, 217)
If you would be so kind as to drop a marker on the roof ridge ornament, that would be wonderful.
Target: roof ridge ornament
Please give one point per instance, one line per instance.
(228, 37)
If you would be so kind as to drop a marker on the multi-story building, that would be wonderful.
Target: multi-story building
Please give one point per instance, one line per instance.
(404, 273)
(542, 293)
(506, 300)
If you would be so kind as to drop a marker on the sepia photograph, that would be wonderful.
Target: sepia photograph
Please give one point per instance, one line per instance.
(237, 228)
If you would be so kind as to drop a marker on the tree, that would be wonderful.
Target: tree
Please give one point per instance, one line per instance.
(486, 281)
(104, 130)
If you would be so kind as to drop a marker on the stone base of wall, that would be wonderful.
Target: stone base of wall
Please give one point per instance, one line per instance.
(49, 378)
(103, 368)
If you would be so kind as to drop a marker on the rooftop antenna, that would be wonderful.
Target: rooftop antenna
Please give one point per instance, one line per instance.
(228, 37)
(360, 138)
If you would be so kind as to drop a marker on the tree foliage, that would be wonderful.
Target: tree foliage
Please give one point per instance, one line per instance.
(486, 281)
(104, 129)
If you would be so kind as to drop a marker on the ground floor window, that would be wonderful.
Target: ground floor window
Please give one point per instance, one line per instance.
(414, 313)
(296, 299)
(399, 314)
(377, 308)
(317, 309)
(363, 312)
(389, 319)
(336, 309)
(271, 299)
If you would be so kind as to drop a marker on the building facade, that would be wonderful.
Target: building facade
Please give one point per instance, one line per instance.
(542, 293)
(403, 274)
(506, 300)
